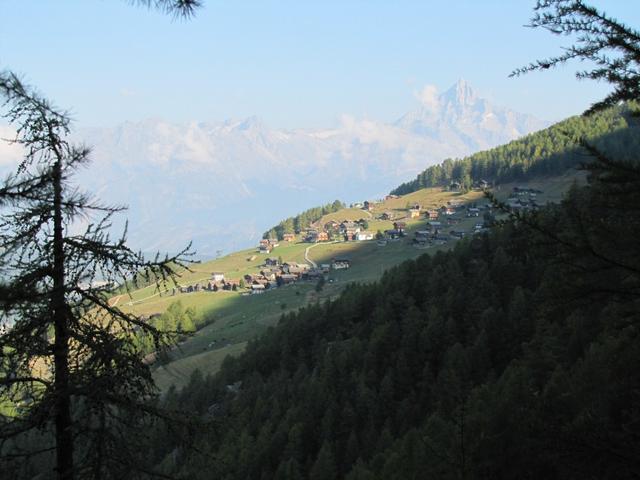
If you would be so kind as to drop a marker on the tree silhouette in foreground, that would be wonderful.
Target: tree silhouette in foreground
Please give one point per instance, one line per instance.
(612, 46)
(68, 360)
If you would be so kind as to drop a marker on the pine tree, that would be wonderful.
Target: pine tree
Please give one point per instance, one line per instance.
(611, 45)
(68, 352)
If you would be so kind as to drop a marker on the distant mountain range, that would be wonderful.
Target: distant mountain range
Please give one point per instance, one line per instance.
(222, 184)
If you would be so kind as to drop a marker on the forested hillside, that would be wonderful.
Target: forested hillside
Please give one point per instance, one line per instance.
(513, 356)
(302, 220)
(547, 152)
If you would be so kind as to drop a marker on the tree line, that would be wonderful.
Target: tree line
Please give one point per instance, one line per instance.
(303, 220)
(512, 356)
(548, 152)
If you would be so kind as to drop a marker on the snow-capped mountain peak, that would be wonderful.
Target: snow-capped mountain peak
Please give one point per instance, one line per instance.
(223, 183)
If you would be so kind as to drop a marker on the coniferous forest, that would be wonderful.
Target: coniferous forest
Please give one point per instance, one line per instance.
(548, 152)
(513, 356)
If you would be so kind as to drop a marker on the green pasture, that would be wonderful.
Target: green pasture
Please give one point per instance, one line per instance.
(238, 318)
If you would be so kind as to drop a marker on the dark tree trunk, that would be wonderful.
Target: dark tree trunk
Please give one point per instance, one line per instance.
(64, 434)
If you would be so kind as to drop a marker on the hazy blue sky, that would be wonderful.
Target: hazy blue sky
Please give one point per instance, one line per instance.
(297, 63)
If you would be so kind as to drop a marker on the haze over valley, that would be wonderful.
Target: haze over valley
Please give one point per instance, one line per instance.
(221, 184)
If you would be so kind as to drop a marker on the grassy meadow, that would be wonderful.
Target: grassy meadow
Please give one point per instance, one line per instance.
(233, 318)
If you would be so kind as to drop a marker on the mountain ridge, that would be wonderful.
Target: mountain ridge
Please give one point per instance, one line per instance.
(233, 170)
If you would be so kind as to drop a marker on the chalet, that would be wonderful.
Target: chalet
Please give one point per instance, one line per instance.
(249, 277)
(386, 216)
(348, 224)
(258, 288)
(431, 214)
(433, 226)
(293, 267)
(272, 262)
(351, 233)
(391, 197)
(400, 226)
(421, 237)
(287, 278)
(331, 225)
(368, 206)
(297, 271)
(314, 236)
(322, 237)
(217, 276)
(440, 239)
(232, 284)
(289, 237)
(414, 212)
(340, 264)
(448, 210)
(325, 267)
(311, 236)
(362, 236)
(473, 212)
(394, 234)
(313, 273)
(268, 274)
(265, 246)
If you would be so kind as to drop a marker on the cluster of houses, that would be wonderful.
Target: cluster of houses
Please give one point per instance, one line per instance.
(479, 185)
(273, 274)
(267, 244)
(348, 230)
(441, 223)
(276, 274)
(216, 282)
(522, 198)
(367, 205)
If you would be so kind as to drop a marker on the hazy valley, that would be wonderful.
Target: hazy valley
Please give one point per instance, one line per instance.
(222, 184)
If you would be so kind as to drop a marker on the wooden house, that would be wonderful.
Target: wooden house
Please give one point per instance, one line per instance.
(217, 276)
(322, 237)
(400, 226)
(431, 214)
(340, 264)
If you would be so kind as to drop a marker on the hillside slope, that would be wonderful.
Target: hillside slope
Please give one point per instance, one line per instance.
(512, 356)
(547, 152)
(228, 319)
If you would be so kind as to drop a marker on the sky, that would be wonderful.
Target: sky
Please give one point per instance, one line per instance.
(294, 64)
